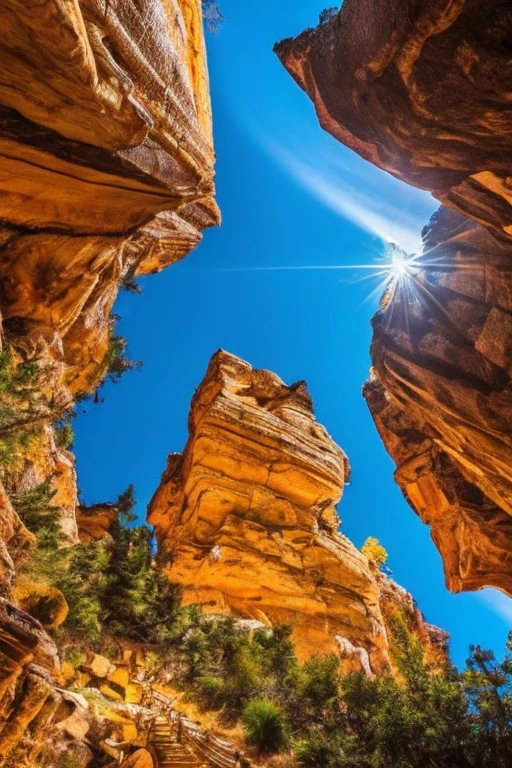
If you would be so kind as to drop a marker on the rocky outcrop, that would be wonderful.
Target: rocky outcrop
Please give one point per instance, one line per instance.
(441, 397)
(28, 664)
(106, 173)
(107, 165)
(95, 522)
(421, 90)
(246, 518)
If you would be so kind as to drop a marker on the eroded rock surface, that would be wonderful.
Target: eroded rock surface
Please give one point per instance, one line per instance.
(441, 397)
(422, 90)
(106, 173)
(106, 164)
(246, 518)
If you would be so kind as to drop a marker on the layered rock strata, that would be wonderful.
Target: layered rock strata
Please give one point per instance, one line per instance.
(246, 518)
(421, 90)
(441, 396)
(106, 160)
(28, 694)
(106, 173)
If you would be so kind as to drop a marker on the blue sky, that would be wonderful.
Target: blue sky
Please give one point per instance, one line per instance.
(290, 196)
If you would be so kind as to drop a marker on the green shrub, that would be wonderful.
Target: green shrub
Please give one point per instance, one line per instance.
(64, 435)
(15, 376)
(314, 749)
(265, 725)
(34, 507)
(209, 690)
(116, 363)
(244, 677)
(320, 680)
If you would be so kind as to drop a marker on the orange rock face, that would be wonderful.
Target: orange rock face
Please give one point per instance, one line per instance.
(106, 164)
(422, 91)
(106, 173)
(246, 518)
(95, 522)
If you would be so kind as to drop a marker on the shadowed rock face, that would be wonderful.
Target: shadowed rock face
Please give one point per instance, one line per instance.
(28, 662)
(421, 89)
(441, 397)
(246, 519)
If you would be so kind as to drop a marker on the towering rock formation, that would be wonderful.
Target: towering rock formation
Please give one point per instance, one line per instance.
(421, 89)
(106, 173)
(440, 395)
(246, 518)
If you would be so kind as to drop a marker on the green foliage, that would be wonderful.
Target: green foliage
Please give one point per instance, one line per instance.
(74, 655)
(111, 584)
(116, 363)
(64, 434)
(17, 383)
(39, 515)
(209, 691)
(488, 686)
(14, 444)
(375, 553)
(125, 505)
(140, 602)
(265, 725)
(15, 377)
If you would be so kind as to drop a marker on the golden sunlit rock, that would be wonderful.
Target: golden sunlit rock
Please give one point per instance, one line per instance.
(246, 518)
(106, 165)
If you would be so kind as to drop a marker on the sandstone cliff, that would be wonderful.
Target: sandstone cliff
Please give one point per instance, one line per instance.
(106, 172)
(106, 158)
(246, 518)
(440, 395)
(421, 90)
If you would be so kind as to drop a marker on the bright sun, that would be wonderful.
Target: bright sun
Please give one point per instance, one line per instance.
(398, 266)
(400, 263)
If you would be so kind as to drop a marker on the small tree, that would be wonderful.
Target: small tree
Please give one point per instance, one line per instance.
(116, 361)
(375, 552)
(64, 434)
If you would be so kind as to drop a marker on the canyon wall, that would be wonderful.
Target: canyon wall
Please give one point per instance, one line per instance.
(106, 173)
(246, 519)
(421, 89)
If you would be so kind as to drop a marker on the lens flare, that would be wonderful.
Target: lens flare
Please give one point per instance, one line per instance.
(394, 270)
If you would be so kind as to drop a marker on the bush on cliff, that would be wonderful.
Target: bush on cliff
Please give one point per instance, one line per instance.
(265, 725)
(375, 552)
